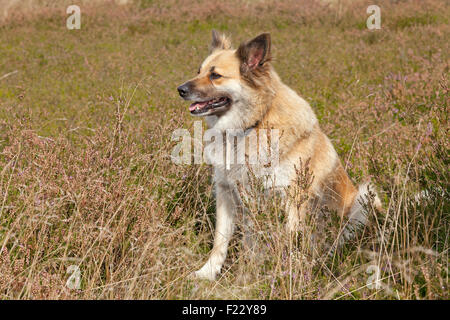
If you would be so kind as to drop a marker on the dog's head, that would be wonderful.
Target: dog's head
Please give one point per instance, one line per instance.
(226, 75)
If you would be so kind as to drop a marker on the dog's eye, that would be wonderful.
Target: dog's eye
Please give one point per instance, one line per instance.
(214, 76)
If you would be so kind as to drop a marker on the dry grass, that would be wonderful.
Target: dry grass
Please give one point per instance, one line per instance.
(85, 171)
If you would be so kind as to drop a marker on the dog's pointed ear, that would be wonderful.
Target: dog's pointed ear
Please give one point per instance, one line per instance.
(255, 52)
(219, 41)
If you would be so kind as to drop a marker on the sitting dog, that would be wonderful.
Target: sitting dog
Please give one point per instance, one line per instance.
(239, 89)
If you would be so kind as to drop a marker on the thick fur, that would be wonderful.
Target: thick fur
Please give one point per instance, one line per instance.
(260, 100)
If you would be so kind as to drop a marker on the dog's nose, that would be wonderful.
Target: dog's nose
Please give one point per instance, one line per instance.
(183, 90)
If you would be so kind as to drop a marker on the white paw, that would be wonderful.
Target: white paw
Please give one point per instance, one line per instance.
(207, 272)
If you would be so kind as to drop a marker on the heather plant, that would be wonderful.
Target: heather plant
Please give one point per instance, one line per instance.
(88, 188)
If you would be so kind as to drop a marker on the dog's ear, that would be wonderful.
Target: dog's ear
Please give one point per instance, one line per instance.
(254, 53)
(219, 41)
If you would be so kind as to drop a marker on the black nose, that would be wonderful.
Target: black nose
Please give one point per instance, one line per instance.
(183, 90)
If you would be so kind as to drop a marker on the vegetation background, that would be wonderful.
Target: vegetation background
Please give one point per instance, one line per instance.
(88, 191)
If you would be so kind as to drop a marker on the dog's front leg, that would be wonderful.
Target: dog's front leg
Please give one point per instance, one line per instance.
(296, 209)
(226, 212)
(295, 217)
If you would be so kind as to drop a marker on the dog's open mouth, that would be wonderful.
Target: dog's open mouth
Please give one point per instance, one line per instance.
(200, 107)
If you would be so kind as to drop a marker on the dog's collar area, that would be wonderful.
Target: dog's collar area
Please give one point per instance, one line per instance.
(247, 131)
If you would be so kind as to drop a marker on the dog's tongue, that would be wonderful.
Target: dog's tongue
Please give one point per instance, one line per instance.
(200, 105)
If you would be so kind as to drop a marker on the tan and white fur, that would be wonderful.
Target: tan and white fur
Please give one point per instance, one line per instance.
(239, 89)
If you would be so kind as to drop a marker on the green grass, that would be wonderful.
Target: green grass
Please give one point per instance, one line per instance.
(86, 177)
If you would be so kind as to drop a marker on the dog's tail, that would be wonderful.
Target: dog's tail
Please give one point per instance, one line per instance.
(366, 199)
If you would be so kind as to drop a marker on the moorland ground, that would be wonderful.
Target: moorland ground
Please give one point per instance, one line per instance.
(86, 180)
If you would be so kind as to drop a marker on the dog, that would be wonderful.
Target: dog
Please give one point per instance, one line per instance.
(239, 89)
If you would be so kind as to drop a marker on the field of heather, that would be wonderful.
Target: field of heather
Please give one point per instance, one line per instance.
(92, 207)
